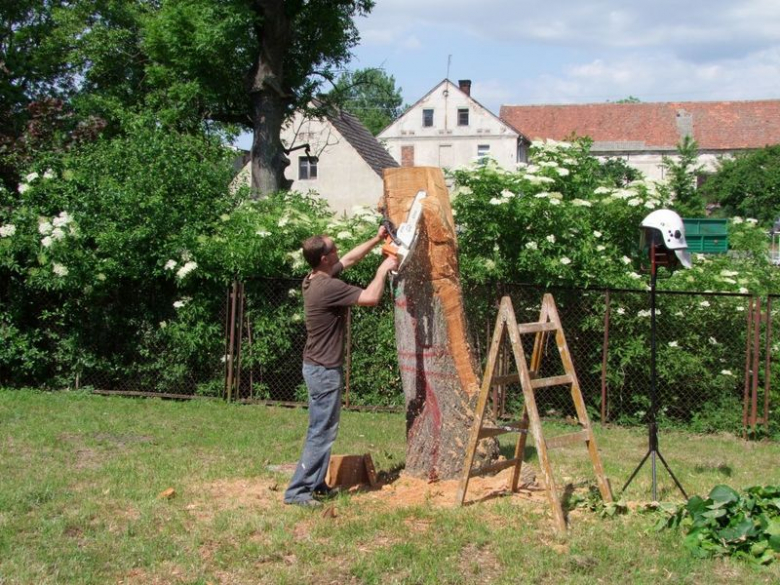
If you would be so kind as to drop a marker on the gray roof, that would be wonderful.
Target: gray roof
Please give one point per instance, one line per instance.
(369, 148)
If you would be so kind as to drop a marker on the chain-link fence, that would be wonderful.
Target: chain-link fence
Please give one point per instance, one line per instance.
(714, 352)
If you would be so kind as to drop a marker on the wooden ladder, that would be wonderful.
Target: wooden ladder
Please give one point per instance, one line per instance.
(506, 323)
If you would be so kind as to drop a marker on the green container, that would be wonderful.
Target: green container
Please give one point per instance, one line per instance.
(707, 236)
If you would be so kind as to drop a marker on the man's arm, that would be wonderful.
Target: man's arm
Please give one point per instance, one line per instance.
(359, 252)
(373, 292)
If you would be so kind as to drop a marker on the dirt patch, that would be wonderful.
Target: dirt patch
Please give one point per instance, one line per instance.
(402, 492)
(409, 491)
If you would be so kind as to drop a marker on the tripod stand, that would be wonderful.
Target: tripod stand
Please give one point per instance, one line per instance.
(658, 255)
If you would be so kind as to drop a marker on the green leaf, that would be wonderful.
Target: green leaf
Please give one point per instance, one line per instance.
(773, 527)
(696, 505)
(723, 494)
(774, 542)
(736, 532)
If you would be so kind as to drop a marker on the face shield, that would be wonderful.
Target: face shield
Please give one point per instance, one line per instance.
(664, 229)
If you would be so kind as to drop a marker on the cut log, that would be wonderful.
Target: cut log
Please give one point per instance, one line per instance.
(438, 368)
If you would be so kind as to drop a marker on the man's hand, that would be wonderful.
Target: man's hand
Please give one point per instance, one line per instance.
(389, 263)
(382, 233)
(373, 292)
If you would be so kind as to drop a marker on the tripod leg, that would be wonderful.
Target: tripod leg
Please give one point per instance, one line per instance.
(638, 467)
(677, 483)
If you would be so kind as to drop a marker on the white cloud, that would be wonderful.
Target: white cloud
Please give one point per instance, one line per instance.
(658, 78)
(521, 52)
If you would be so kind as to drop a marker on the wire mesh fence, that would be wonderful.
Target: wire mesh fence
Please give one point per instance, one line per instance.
(715, 352)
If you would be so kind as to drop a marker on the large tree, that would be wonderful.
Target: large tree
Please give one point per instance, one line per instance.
(371, 95)
(246, 63)
(748, 185)
(218, 65)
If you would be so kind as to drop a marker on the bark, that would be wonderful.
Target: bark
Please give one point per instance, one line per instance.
(270, 98)
(438, 368)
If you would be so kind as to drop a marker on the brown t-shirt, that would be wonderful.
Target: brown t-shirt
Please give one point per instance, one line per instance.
(326, 300)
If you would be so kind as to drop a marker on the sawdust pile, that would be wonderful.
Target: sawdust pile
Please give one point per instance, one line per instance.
(401, 492)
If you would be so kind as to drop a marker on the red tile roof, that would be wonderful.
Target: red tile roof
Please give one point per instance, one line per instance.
(714, 125)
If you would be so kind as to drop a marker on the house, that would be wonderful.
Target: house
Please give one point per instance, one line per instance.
(337, 157)
(642, 133)
(448, 128)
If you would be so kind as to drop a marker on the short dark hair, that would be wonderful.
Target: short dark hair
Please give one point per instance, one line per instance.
(314, 248)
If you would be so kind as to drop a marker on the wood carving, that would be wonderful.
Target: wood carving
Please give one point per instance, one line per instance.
(438, 368)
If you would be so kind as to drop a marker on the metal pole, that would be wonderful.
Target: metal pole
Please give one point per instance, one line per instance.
(229, 357)
(604, 352)
(348, 373)
(746, 391)
(653, 428)
(767, 363)
(756, 352)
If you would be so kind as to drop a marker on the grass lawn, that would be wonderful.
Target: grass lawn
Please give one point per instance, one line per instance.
(80, 477)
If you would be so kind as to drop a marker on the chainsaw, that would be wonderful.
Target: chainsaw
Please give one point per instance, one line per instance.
(400, 242)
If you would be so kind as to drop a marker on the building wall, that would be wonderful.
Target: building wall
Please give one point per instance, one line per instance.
(650, 163)
(344, 179)
(446, 144)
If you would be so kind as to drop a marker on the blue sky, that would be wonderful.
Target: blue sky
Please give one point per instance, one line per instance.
(577, 51)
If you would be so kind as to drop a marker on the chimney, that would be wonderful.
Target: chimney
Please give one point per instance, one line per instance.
(465, 86)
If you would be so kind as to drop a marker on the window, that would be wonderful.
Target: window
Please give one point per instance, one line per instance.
(483, 151)
(307, 168)
(407, 156)
(463, 116)
(427, 118)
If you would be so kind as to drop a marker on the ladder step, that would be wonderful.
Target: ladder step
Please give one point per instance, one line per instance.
(564, 440)
(514, 427)
(553, 381)
(494, 467)
(536, 327)
(508, 379)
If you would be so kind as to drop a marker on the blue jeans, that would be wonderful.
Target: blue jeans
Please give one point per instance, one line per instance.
(324, 385)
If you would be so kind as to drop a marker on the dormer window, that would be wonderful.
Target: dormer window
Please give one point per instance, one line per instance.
(427, 118)
(463, 116)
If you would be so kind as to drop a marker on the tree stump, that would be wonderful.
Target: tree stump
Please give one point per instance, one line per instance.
(438, 368)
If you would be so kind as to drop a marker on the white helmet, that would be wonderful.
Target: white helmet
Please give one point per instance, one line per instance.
(672, 230)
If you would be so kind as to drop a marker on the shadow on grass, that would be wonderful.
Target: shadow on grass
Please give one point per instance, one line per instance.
(722, 469)
(529, 453)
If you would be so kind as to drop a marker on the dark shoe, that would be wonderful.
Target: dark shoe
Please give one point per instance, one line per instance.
(327, 493)
(311, 503)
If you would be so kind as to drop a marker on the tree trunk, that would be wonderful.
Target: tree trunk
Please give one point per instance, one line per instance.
(438, 369)
(268, 157)
(270, 96)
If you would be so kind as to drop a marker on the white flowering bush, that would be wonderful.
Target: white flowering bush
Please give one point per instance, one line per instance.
(578, 228)
(555, 221)
(86, 239)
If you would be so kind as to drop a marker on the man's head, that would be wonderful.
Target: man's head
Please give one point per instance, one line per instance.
(317, 249)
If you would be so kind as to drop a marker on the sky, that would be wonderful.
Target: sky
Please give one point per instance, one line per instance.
(518, 52)
(577, 51)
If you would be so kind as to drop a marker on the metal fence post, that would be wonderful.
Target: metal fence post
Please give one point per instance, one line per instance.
(604, 353)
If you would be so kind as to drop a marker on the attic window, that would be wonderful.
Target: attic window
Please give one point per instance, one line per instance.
(427, 118)
(463, 116)
(307, 168)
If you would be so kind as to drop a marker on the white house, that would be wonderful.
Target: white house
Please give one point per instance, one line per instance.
(448, 128)
(337, 157)
(642, 133)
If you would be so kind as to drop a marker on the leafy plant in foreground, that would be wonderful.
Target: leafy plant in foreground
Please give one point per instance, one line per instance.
(729, 524)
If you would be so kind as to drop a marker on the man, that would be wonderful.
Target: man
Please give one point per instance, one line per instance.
(326, 300)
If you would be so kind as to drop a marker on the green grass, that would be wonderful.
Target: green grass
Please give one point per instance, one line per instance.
(80, 477)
